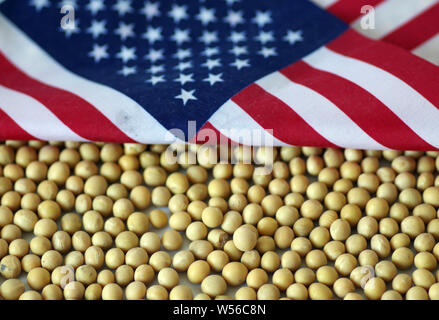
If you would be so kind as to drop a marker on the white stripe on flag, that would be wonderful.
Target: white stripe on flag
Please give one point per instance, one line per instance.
(324, 3)
(123, 111)
(34, 117)
(391, 14)
(409, 105)
(320, 113)
(237, 125)
(429, 50)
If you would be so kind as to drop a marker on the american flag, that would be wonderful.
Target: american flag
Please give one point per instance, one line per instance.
(346, 73)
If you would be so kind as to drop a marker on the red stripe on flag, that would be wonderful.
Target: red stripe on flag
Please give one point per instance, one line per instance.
(220, 138)
(370, 114)
(79, 115)
(11, 130)
(414, 71)
(350, 10)
(273, 114)
(416, 31)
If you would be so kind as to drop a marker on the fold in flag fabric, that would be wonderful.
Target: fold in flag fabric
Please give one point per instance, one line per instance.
(329, 73)
(412, 25)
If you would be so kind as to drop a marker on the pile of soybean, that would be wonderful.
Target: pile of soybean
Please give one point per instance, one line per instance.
(123, 221)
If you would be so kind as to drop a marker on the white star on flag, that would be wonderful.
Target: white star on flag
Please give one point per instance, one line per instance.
(123, 7)
(210, 51)
(154, 55)
(178, 13)
(267, 52)
(239, 64)
(293, 36)
(212, 63)
(206, 16)
(231, 2)
(71, 28)
(182, 54)
(126, 54)
(208, 37)
(153, 34)
(72, 3)
(214, 78)
(151, 10)
(265, 36)
(156, 79)
(238, 50)
(262, 18)
(97, 28)
(125, 31)
(237, 37)
(126, 71)
(183, 65)
(94, 6)
(180, 36)
(99, 52)
(234, 18)
(156, 69)
(183, 78)
(40, 4)
(185, 96)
